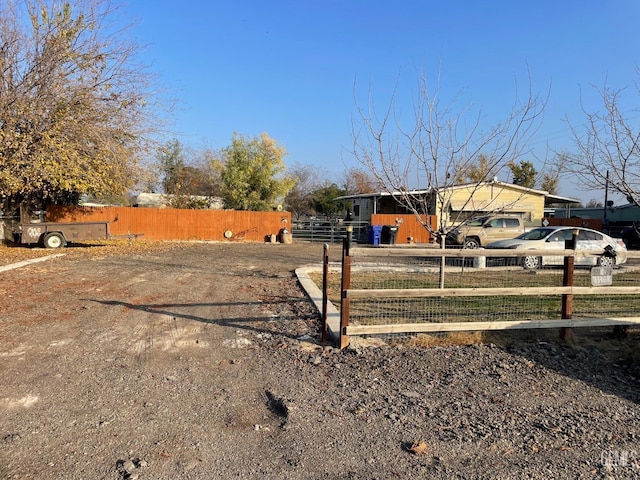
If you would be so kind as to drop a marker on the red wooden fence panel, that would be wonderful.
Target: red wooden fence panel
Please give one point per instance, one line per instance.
(178, 224)
(594, 223)
(408, 226)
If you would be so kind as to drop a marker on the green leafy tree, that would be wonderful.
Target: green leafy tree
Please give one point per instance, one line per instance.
(324, 199)
(74, 113)
(252, 174)
(524, 173)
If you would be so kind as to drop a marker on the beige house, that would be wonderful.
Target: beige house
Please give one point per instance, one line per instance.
(455, 204)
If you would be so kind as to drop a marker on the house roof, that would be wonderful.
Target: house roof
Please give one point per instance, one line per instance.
(512, 186)
(548, 197)
(559, 199)
(397, 193)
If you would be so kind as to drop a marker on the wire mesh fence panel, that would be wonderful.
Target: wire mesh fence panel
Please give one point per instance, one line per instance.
(453, 309)
(394, 287)
(381, 309)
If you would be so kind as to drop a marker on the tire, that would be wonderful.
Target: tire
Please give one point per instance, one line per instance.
(54, 240)
(531, 263)
(606, 261)
(471, 243)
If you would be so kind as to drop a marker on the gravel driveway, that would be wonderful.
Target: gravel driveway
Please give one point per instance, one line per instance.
(201, 361)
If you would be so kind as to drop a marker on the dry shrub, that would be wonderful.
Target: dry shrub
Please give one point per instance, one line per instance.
(450, 338)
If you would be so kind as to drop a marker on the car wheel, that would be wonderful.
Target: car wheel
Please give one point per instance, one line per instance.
(54, 240)
(606, 261)
(531, 263)
(471, 243)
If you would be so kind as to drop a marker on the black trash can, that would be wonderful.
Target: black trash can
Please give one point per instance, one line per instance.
(389, 234)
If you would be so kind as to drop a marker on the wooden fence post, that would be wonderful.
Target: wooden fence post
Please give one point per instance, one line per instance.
(566, 333)
(325, 286)
(344, 301)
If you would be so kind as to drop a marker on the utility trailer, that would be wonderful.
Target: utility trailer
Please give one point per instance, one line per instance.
(57, 235)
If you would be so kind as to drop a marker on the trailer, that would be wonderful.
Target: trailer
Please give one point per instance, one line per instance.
(57, 235)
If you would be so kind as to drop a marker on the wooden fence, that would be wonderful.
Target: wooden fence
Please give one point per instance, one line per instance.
(410, 230)
(567, 291)
(594, 223)
(179, 224)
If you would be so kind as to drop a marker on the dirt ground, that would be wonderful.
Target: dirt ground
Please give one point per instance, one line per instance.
(202, 361)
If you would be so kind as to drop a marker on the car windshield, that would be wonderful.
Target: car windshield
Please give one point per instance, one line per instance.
(476, 222)
(536, 234)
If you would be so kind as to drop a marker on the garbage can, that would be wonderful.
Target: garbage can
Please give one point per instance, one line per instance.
(389, 234)
(285, 236)
(375, 234)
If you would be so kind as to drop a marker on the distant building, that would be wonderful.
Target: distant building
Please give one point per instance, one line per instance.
(160, 200)
(628, 213)
(456, 203)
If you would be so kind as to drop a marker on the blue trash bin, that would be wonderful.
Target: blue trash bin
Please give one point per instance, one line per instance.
(375, 234)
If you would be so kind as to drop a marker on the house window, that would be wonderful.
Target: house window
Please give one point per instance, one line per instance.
(356, 210)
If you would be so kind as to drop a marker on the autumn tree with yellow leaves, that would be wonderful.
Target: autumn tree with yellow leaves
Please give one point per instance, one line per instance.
(74, 104)
(253, 173)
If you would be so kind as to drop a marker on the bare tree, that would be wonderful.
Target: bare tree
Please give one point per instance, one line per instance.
(439, 147)
(550, 177)
(358, 180)
(608, 146)
(308, 179)
(478, 172)
(75, 106)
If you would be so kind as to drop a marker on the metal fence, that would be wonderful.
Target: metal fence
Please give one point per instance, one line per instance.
(328, 230)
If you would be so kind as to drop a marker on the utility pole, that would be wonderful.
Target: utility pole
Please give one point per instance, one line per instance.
(606, 200)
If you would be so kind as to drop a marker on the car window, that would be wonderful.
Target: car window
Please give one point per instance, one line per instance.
(556, 237)
(586, 235)
(511, 223)
(561, 236)
(494, 222)
(535, 234)
(567, 234)
(475, 223)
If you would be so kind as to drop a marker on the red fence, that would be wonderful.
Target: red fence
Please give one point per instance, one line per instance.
(178, 224)
(594, 223)
(409, 229)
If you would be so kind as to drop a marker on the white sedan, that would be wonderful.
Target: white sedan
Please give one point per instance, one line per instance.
(554, 238)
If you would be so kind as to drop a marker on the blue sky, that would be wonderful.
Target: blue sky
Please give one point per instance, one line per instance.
(289, 68)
